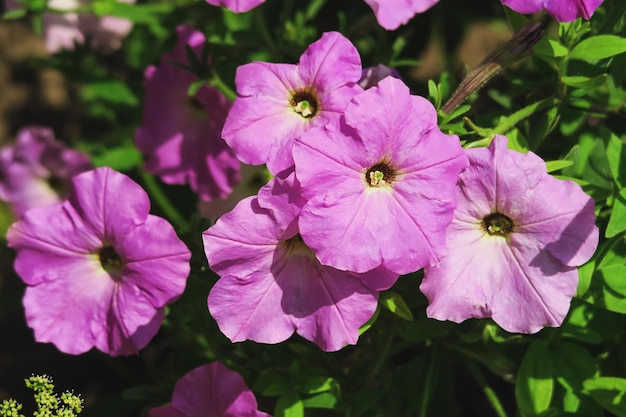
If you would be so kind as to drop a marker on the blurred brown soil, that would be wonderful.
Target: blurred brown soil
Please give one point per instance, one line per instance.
(479, 40)
(27, 96)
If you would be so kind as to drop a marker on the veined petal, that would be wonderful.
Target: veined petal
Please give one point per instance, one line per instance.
(393, 13)
(330, 63)
(74, 313)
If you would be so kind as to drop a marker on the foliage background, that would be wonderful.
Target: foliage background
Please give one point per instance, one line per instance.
(405, 364)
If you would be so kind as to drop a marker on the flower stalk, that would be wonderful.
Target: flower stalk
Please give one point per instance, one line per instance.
(510, 52)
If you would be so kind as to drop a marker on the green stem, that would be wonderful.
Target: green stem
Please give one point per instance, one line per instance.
(261, 27)
(510, 122)
(493, 399)
(217, 82)
(428, 383)
(382, 356)
(159, 197)
(556, 334)
(518, 47)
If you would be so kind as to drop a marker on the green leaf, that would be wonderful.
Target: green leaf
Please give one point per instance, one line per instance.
(590, 161)
(598, 47)
(609, 393)
(576, 404)
(271, 383)
(616, 155)
(459, 111)
(14, 14)
(534, 385)
(550, 48)
(313, 9)
(324, 400)
(289, 405)
(579, 325)
(394, 302)
(420, 330)
(571, 365)
(608, 288)
(517, 141)
(122, 158)
(370, 322)
(552, 166)
(586, 83)
(617, 221)
(315, 384)
(585, 273)
(516, 20)
(433, 94)
(110, 91)
(138, 13)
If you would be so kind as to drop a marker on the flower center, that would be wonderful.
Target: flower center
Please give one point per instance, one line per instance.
(497, 224)
(60, 185)
(380, 175)
(296, 246)
(111, 261)
(195, 104)
(305, 103)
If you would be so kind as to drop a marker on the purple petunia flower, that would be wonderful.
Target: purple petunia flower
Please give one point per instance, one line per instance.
(561, 10)
(272, 284)
(181, 135)
(36, 170)
(237, 6)
(371, 76)
(99, 268)
(276, 103)
(514, 244)
(382, 190)
(393, 13)
(210, 391)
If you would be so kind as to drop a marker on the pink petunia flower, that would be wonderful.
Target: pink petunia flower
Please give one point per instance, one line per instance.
(210, 391)
(99, 269)
(561, 10)
(36, 170)
(181, 135)
(276, 103)
(271, 283)
(63, 30)
(514, 244)
(237, 6)
(382, 190)
(393, 13)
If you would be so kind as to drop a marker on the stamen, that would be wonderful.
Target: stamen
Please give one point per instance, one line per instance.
(110, 260)
(305, 103)
(497, 224)
(381, 174)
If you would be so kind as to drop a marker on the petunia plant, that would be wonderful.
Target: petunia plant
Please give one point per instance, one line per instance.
(322, 208)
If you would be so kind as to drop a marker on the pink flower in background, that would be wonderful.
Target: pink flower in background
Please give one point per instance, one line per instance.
(561, 10)
(389, 13)
(210, 391)
(514, 244)
(381, 192)
(181, 135)
(99, 268)
(237, 6)
(36, 170)
(393, 13)
(63, 30)
(271, 283)
(276, 103)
